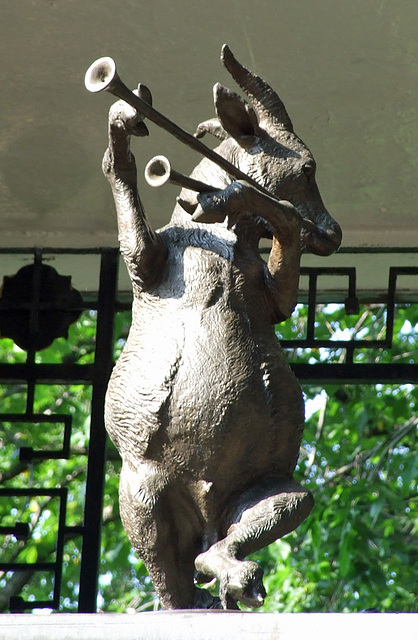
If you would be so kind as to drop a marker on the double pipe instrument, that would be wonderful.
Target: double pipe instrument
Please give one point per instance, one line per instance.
(103, 76)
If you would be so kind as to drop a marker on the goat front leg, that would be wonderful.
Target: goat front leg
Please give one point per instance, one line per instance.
(143, 250)
(282, 272)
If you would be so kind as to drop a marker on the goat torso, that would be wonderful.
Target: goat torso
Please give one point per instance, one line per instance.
(203, 372)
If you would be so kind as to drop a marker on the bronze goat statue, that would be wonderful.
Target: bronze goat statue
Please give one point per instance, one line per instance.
(202, 405)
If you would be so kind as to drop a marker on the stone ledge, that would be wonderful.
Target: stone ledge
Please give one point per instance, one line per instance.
(209, 625)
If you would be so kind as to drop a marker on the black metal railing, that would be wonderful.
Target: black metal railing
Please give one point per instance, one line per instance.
(349, 371)
(96, 375)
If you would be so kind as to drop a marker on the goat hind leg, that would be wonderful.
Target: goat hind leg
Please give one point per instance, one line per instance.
(261, 515)
(164, 530)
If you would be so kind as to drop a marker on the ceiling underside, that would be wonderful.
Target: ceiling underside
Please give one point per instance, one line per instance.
(347, 71)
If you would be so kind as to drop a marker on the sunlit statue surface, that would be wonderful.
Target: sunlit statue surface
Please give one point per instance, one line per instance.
(202, 405)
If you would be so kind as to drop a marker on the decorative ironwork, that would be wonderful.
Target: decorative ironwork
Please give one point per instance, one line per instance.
(27, 454)
(31, 373)
(349, 370)
(37, 305)
(105, 303)
(21, 529)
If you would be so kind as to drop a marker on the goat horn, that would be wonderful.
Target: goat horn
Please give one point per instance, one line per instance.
(266, 102)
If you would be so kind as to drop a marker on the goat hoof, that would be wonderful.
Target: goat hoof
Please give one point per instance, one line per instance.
(243, 583)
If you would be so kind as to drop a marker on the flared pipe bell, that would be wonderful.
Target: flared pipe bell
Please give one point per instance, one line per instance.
(101, 75)
(159, 172)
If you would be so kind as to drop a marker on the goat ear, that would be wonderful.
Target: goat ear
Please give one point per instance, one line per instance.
(235, 115)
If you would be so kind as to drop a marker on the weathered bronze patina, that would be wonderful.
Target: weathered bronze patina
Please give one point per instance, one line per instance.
(202, 404)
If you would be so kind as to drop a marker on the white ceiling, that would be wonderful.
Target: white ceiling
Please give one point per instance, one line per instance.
(347, 71)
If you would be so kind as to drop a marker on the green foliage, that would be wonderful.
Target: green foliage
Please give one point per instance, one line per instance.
(356, 551)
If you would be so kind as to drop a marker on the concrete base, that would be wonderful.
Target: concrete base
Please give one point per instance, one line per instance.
(209, 625)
